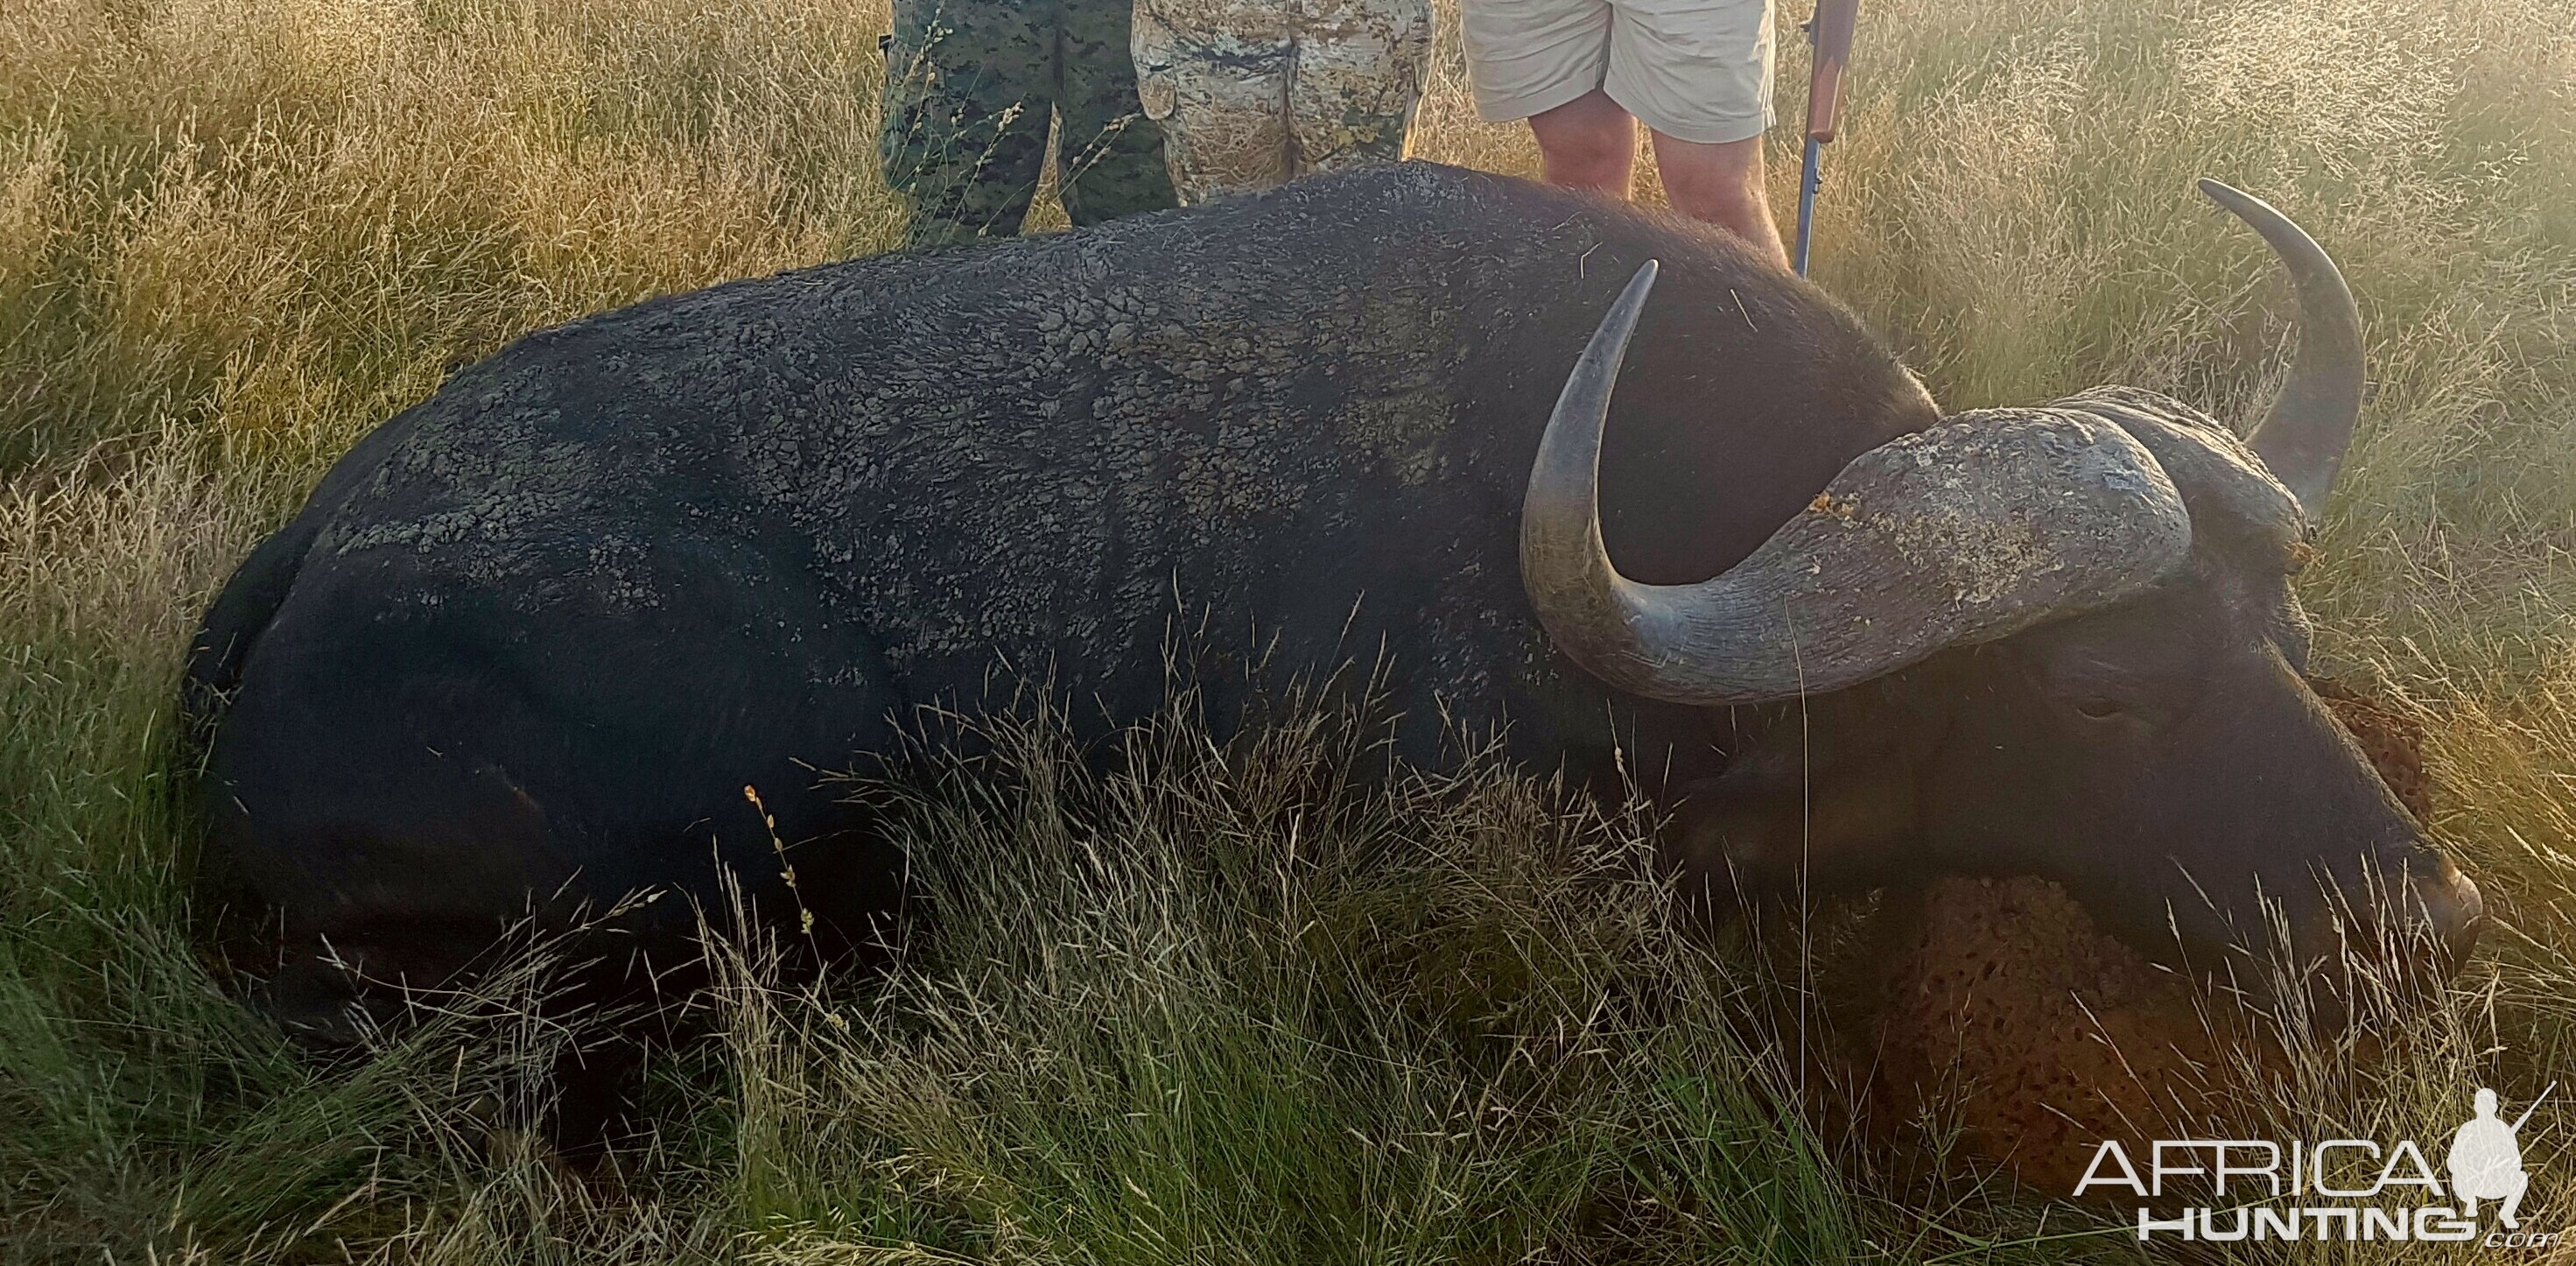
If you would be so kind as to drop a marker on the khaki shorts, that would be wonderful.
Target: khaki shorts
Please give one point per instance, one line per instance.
(1694, 70)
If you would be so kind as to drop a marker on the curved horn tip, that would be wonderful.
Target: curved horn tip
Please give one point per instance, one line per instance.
(1609, 343)
(2305, 436)
(2224, 194)
(1645, 278)
(1579, 596)
(1621, 320)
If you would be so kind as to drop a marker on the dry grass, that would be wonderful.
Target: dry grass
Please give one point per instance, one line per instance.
(234, 234)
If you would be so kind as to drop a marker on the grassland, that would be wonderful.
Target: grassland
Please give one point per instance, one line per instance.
(234, 234)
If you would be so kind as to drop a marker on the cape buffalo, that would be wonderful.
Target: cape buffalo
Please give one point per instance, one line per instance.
(535, 635)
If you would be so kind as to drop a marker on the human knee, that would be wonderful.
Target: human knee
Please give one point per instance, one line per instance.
(1589, 132)
(1592, 155)
(1731, 202)
(1597, 158)
(1714, 177)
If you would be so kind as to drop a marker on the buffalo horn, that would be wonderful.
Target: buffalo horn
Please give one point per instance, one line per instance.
(2304, 438)
(1968, 531)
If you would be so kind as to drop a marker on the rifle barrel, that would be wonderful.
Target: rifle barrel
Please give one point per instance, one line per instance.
(2516, 1127)
(1809, 177)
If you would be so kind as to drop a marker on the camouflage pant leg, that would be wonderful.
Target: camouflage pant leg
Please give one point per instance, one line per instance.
(1109, 154)
(1214, 74)
(1360, 70)
(969, 91)
(1254, 92)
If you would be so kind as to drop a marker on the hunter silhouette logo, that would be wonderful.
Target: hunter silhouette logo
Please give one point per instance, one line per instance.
(2486, 1160)
(2350, 1190)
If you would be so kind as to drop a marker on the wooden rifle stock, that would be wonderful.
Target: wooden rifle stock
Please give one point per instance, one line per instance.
(1831, 32)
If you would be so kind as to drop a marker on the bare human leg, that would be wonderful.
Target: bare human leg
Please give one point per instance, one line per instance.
(1587, 143)
(1723, 185)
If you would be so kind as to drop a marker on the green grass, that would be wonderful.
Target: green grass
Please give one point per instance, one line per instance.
(1216, 1010)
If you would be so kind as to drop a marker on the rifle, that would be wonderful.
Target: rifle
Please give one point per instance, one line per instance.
(1829, 33)
(2516, 1127)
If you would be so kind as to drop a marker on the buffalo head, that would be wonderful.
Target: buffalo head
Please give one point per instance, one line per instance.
(2056, 640)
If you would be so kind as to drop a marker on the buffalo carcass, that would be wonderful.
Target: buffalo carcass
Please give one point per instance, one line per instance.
(530, 640)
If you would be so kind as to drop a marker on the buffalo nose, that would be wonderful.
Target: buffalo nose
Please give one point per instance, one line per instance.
(2453, 913)
(2415, 933)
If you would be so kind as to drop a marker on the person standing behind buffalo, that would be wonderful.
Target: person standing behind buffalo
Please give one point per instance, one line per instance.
(970, 89)
(1584, 72)
(1254, 93)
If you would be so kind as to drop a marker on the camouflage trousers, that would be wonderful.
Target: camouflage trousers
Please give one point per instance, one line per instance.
(1250, 93)
(971, 86)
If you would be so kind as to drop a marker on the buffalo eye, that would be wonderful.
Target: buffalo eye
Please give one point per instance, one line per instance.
(2099, 707)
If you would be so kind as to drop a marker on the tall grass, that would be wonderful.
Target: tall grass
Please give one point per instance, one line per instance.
(1223, 1012)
